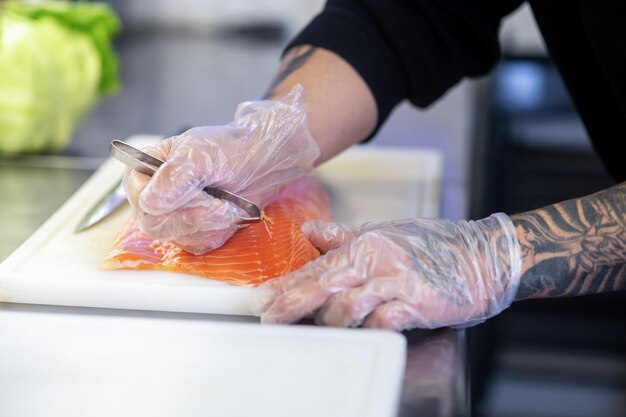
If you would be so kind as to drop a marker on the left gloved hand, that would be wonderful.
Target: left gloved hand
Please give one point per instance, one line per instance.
(400, 275)
(265, 147)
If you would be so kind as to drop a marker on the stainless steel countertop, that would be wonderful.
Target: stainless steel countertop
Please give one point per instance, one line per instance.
(32, 188)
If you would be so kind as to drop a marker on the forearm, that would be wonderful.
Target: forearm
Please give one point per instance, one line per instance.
(576, 247)
(341, 108)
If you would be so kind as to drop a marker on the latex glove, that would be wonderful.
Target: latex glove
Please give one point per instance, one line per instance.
(400, 275)
(266, 147)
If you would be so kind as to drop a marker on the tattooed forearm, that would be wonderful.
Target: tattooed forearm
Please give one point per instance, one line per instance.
(575, 247)
(296, 58)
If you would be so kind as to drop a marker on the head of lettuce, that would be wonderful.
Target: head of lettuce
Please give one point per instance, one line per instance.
(56, 62)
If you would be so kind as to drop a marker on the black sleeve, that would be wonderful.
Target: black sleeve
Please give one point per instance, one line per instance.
(413, 49)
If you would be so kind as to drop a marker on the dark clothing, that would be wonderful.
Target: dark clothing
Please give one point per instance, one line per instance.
(417, 49)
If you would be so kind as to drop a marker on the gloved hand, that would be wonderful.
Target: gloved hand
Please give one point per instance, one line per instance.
(266, 147)
(400, 275)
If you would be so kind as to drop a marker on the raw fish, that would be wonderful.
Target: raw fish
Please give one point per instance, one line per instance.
(255, 253)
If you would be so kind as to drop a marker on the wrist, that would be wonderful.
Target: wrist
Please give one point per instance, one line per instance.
(499, 254)
(509, 242)
(276, 148)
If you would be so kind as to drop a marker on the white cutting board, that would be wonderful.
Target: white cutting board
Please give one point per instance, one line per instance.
(68, 365)
(55, 266)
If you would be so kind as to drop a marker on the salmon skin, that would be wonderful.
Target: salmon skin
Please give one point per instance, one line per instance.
(253, 255)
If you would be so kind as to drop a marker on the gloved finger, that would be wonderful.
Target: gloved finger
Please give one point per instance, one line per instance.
(214, 214)
(189, 159)
(134, 183)
(289, 306)
(397, 315)
(346, 267)
(303, 291)
(326, 236)
(349, 308)
(174, 184)
(300, 302)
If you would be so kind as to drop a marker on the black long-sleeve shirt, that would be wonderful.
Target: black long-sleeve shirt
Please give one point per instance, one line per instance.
(417, 49)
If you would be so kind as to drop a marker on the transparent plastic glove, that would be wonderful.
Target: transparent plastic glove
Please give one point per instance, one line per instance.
(400, 275)
(266, 147)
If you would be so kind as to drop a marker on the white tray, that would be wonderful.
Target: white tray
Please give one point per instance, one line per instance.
(66, 365)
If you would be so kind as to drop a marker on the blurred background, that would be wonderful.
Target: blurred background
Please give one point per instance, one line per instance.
(511, 141)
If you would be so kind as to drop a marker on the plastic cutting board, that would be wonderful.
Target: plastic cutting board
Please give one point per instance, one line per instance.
(55, 266)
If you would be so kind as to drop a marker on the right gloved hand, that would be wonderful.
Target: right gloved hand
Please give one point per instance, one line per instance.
(399, 275)
(266, 147)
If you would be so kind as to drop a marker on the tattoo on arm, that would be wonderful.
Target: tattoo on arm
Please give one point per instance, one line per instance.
(575, 247)
(294, 60)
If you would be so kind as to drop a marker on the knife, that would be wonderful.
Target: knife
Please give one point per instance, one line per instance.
(147, 164)
(109, 203)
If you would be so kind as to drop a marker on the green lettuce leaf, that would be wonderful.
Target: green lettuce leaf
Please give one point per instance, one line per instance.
(56, 62)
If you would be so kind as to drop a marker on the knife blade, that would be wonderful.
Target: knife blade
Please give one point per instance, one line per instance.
(109, 203)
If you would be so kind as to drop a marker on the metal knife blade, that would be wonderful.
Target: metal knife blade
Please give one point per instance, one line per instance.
(110, 202)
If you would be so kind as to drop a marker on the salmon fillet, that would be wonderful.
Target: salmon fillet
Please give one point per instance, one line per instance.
(250, 257)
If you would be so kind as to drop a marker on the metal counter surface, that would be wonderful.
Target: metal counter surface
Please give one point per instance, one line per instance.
(32, 188)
